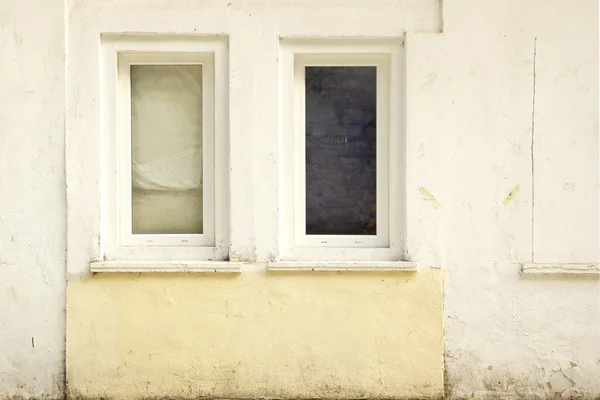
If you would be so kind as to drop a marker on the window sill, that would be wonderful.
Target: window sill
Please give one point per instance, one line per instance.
(280, 266)
(560, 268)
(165, 266)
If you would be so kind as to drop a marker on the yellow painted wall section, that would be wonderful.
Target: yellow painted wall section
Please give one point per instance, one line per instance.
(257, 334)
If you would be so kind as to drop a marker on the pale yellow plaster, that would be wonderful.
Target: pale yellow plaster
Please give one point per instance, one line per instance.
(256, 334)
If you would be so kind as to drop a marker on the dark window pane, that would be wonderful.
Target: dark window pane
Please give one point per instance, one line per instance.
(340, 150)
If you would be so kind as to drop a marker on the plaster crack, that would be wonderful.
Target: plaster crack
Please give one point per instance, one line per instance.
(571, 381)
(441, 12)
(533, 157)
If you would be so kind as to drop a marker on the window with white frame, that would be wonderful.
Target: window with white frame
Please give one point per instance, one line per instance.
(165, 138)
(342, 150)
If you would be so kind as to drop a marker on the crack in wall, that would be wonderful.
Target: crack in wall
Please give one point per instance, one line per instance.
(533, 157)
(441, 14)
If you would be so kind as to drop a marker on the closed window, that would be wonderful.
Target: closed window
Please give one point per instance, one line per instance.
(168, 141)
(339, 134)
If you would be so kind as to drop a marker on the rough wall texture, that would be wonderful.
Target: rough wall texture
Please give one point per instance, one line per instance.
(32, 199)
(475, 135)
(506, 335)
(259, 334)
(319, 335)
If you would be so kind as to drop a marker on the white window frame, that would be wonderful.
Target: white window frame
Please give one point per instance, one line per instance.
(388, 243)
(119, 52)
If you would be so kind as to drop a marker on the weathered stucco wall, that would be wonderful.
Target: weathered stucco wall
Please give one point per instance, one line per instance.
(32, 199)
(315, 335)
(257, 334)
(514, 180)
(508, 335)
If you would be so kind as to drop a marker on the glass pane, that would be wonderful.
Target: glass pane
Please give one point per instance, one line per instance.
(340, 150)
(166, 147)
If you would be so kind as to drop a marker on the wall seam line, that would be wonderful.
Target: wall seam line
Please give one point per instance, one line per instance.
(533, 156)
(441, 11)
(65, 395)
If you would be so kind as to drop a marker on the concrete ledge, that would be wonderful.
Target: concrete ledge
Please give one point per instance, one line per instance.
(165, 266)
(408, 266)
(561, 268)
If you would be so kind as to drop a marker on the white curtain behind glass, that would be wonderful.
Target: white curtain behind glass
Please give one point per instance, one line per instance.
(166, 130)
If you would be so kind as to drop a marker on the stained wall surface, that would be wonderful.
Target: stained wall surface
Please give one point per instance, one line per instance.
(32, 198)
(514, 89)
(502, 169)
(324, 335)
(257, 334)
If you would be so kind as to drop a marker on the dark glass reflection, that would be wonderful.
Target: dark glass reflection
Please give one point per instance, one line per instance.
(340, 150)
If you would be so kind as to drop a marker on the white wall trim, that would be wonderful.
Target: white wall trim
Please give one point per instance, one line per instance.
(561, 268)
(165, 266)
(342, 266)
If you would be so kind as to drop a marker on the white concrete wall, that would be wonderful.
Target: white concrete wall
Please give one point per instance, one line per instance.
(32, 199)
(505, 334)
(142, 343)
(471, 123)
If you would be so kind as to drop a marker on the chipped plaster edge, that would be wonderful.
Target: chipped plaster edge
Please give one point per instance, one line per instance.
(78, 396)
(22, 397)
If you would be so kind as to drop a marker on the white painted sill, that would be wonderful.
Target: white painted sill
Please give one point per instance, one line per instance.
(165, 266)
(291, 266)
(561, 269)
